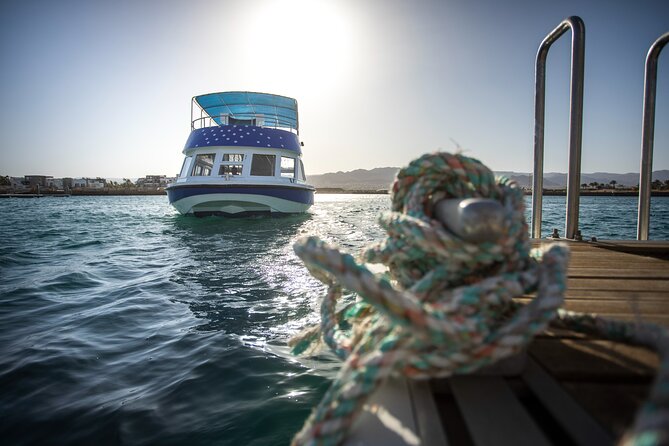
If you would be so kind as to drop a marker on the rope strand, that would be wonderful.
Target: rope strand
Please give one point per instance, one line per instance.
(447, 306)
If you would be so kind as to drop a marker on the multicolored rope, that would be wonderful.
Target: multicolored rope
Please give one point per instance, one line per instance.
(444, 307)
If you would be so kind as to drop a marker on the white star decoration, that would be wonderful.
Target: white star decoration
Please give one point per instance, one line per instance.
(207, 138)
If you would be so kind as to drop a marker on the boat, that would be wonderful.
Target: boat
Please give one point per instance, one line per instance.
(243, 157)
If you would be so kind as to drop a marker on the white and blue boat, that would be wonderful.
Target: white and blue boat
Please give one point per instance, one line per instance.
(243, 157)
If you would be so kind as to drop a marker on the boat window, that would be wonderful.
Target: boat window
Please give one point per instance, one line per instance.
(263, 165)
(230, 169)
(184, 167)
(203, 165)
(237, 157)
(237, 121)
(287, 167)
(303, 175)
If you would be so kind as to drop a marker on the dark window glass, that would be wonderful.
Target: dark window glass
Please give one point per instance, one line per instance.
(236, 121)
(263, 165)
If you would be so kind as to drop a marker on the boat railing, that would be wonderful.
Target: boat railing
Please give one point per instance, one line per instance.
(208, 121)
(575, 124)
(648, 135)
(576, 127)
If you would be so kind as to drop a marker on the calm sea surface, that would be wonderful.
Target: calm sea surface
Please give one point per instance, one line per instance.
(122, 322)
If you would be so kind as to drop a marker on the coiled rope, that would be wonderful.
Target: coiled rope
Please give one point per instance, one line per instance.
(445, 306)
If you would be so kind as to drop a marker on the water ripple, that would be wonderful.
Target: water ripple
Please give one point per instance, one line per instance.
(122, 322)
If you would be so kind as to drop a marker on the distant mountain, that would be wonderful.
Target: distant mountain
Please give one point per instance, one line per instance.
(359, 179)
(554, 180)
(382, 178)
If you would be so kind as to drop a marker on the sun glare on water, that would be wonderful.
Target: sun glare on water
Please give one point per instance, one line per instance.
(306, 45)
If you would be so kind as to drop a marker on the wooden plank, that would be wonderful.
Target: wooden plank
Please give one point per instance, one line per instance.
(614, 406)
(636, 309)
(638, 268)
(657, 249)
(660, 319)
(614, 306)
(618, 284)
(580, 426)
(612, 255)
(615, 294)
(593, 259)
(649, 296)
(621, 272)
(493, 414)
(654, 248)
(578, 263)
(426, 416)
(638, 245)
(387, 418)
(595, 360)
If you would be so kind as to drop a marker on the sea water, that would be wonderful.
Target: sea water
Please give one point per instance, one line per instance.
(123, 322)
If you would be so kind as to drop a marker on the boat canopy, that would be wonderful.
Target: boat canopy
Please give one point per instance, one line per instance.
(248, 107)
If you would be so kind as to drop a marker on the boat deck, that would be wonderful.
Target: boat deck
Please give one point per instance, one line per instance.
(606, 280)
(568, 389)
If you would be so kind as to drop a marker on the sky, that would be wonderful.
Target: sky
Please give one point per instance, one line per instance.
(103, 88)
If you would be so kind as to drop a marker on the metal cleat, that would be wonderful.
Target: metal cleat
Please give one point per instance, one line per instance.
(475, 220)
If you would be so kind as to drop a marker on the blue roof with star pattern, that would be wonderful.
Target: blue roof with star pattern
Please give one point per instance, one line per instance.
(243, 136)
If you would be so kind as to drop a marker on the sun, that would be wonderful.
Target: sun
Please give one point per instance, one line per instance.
(304, 46)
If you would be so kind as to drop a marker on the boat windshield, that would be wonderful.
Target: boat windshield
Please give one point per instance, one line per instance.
(244, 108)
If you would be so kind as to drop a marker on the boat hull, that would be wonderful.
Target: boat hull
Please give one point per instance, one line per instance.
(240, 200)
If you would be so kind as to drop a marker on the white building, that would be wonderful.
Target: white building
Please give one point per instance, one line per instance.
(90, 183)
(154, 181)
(55, 183)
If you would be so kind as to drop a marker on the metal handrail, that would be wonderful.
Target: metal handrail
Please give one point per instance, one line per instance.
(575, 123)
(212, 123)
(647, 136)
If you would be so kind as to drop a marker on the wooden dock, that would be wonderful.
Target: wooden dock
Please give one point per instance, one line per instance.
(632, 285)
(568, 389)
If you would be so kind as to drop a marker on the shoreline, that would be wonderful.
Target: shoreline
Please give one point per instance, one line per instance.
(324, 191)
(547, 192)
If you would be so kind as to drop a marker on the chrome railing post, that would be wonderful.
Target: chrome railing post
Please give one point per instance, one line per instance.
(648, 135)
(192, 123)
(575, 124)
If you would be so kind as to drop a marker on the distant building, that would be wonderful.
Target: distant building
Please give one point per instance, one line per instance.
(97, 183)
(18, 184)
(54, 183)
(37, 180)
(154, 181)
(89, 183)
